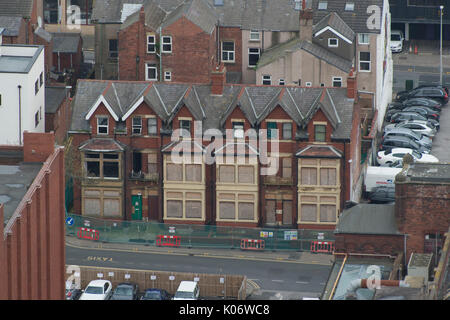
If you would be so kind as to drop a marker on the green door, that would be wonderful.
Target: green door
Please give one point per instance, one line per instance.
(136, 211)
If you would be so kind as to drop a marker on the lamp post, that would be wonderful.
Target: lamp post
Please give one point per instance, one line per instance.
(440, 56)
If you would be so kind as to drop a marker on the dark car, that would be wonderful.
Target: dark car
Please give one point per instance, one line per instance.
(436, 93)
(402, 142)
(73, 294)
(156, 294)
(125, 291)
(429, 113)
(430, 103)
(382, 194)
(406, 116)
(390, 113)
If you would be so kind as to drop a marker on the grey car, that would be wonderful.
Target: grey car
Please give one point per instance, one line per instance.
(419, 138)
(402, 142)
(421, 127)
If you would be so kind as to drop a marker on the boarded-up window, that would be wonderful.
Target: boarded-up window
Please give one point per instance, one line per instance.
(176, 195)
(193, 195)
(193, 209)
(194, 172)
(246, 211)
(287, 168)
(246, 197)
(174, 172)
(287, 212)
(308, 212)
(270, 211)
(308, 162)
(111, 208)
(226, 173)
(152, 163)
(308, 199)
(108, 193)
(92, 207)
(327, 213)
(174, 208)
(226, 196)
(246, 174)
(227, 210)
(327, 176)
(92, 193)
(309, 176)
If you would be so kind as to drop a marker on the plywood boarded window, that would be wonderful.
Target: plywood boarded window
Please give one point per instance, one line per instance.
(286, 168)
(193, 209)
(92, 207)
(227, 210)
(308, 212)
(193, 172)
(309, 176)
(287, 212)
(327, 176)
(270, 211)
(174, 208)
(111, 208)
(174, 172)
(226, 174)
(246, 211)
(246, 174)
(327, 213)
(152, 163)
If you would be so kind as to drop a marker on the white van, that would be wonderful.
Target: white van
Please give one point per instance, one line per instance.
(379, 176)
(187, 290)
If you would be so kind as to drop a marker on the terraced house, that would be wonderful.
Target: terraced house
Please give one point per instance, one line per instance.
(145, 151)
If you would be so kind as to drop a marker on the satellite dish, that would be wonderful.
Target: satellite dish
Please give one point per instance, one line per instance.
(40, 22)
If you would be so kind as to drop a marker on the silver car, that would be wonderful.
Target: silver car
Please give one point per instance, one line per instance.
(418, 126)
(419, 138)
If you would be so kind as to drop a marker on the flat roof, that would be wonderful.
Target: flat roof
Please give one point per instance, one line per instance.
(15, 60)
(428, 172)
(14, 183)
(14, 64)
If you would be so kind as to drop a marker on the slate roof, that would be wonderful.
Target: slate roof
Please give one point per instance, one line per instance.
(154, 16)
(54, 96)
(22, 8)
(66, 42)
(256, 102)
(334, 21)
(11, 25)
(103, 145)
(41, 32)
(368, 219)
(296, 44)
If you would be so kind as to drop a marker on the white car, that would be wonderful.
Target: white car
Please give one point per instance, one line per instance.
(97, 290)
(418, 126)
(397, 41)
(391, 155)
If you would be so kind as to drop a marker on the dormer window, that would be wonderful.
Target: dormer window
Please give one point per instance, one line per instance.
(185, 126)
(322, 5)
(333, 42)
(238, 130)
(350, 6)
(137, 125)
(102, 125)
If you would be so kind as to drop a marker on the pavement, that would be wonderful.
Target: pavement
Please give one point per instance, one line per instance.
(252, 288)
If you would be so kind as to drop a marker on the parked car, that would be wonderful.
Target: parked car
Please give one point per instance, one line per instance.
(430, 103)
(418, 126)
(187, 290)
(402, 142)
(406, 116)
(429, 113)
(125, 291)
(97, 290)
(397, 41)
(390, 113)
(382, 194)
(156, 294)
(72, 293)
(392, 155)
(436, 93)
(405, 132)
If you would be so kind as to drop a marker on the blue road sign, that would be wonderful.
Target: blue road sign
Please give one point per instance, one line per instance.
(69, 221)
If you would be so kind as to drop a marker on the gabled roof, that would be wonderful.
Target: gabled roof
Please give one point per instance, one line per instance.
(154, 16)
(101, 100)
(66, 42)
(237, 149)
(11, 25)
(319, 151)
(102, 145)
(335, 24)
(184, 146)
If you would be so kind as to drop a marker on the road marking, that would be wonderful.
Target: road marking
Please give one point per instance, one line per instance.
(302, 282)
(278, 258)
(278, 280)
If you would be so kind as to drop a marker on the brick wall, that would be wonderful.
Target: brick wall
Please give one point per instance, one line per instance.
(37, 147)
(369, 244)
(235, 35)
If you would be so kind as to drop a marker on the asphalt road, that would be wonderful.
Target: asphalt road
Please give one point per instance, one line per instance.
(276, 279)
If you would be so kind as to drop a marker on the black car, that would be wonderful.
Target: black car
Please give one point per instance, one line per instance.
(429, 113)
(430, 103)
(382, 194)
(390, 113)
(436, 93)
(156, 294)
(406, 116)
(125, 291)
(402, 142)
(73, 294)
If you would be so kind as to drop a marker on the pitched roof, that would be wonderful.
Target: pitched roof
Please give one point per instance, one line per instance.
(102, 145)
(54, 96)
(11, 25)
(66, 42)
(44, 34)
(334, 21)
(154, 16)
(321, 151)
(22, 8)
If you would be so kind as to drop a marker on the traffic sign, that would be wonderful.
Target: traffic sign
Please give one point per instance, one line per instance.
(69, 221)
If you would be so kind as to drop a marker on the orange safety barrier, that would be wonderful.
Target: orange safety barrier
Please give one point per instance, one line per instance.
(322, 246)
(250, 244)
(168, 241)
(86, 233)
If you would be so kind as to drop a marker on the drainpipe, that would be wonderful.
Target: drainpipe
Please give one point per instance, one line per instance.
(160, 54)
(20, 116)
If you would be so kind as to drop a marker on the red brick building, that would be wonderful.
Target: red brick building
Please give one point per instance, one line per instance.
(32, 243)
(126, 132)
(57, 111)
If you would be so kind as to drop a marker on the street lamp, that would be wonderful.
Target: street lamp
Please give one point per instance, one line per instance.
(440, 57)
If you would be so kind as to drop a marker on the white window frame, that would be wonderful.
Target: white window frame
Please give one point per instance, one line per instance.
(167, 75)
(281, 82)
(151, 43)
(166, 44)
(308, 84)
(136, 127)
(361, 37)
(333, 45)
(364, 61)
(253, 33)
(238, 131)
(349, 6)
(102, 126)
(336, 79)
(228, 52)
(149, 66)
(267, 77)
(323, 5)
(253, 53)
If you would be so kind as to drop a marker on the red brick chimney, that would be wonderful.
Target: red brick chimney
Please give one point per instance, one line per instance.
(142, 15)
(37, 147)
(351, 86)
(218, 79)
(306, 22)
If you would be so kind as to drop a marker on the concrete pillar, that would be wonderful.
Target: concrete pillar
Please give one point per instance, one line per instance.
(407, 31)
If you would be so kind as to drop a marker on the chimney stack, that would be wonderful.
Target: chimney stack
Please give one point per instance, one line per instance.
(218, 79)
(142, 15)
(306, 21)
(351, 85)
